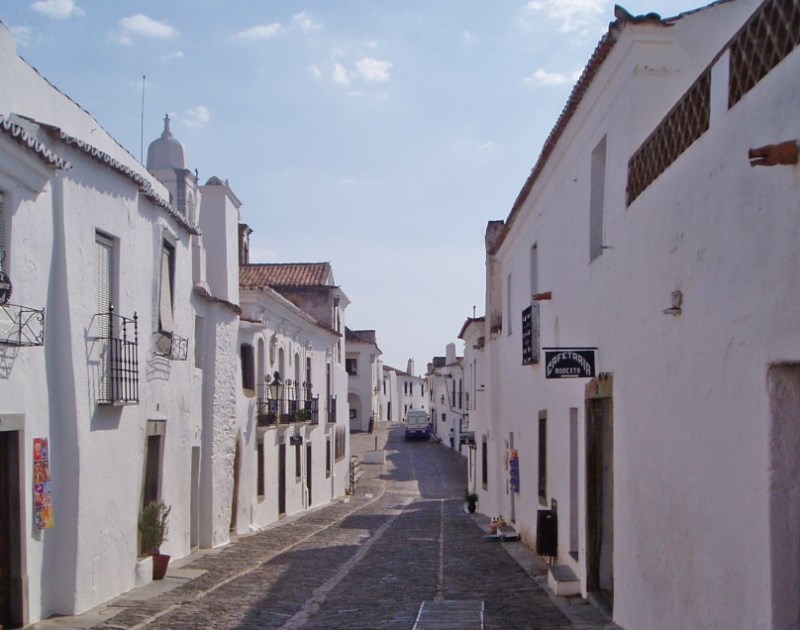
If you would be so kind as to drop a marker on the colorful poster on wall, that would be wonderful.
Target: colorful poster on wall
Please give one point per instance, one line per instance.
(42, 498)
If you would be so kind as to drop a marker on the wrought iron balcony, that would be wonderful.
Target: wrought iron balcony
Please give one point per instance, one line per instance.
(171, 346)
(118, 340)
(21, 326)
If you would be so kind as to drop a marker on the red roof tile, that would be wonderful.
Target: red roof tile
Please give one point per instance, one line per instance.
(285, 275)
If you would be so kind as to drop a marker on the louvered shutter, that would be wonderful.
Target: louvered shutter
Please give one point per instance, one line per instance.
(2, 233)
(165, 300)
(104, 248)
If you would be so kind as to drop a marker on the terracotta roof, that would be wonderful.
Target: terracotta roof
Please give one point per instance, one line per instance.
(470, 320)
(285, 275)
(360, 336)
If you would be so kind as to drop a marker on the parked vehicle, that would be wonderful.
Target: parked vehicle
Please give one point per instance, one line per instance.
(418, 425)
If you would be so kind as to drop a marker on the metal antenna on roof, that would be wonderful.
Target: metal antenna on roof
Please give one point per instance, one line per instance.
(141, 126)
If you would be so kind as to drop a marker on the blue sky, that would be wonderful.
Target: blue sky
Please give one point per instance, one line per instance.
(378, 135)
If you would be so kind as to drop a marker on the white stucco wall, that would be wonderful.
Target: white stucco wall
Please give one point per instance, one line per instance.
(690, 405)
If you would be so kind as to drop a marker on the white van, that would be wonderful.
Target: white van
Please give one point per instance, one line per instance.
(418, 424)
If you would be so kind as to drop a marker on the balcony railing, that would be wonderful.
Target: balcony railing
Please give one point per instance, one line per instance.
(275, 411)
(171, 346)
(118, 339)
(21, 326)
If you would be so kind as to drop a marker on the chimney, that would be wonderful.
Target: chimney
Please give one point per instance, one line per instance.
(410, 368)
(451, 354)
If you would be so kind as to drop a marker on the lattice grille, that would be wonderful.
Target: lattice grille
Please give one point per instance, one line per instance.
(772, 33)
(687, 121)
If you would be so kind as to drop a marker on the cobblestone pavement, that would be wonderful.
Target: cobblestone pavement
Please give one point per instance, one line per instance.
(367, 562)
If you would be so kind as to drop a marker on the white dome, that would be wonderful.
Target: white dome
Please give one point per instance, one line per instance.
(166, 151)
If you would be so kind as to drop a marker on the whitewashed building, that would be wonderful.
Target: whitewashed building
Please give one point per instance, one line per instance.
(104, 368)
(641, 326)
(293, 442)
(365, 378)
(476, 410)
(402, 391)
(447, 396)
(124, 373)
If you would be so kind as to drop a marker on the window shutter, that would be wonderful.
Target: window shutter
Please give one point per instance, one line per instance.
(165, 301)
(105, 251)
(2, 233)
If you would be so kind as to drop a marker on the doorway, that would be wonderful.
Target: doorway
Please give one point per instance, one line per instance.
(783, 382)
(282, 479)
(600, 499)
(194, 500)
(235, 500)
(11, 582)
(308, 471)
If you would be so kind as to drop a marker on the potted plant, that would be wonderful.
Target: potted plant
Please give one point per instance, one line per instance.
(153, 529)
(472, 501)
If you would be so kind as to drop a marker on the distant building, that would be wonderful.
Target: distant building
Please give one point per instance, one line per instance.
(293, 379)
(402, 391)
(447, 401)
(365, 378)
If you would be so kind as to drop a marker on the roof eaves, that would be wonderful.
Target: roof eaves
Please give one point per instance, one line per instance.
(32, 144)
(600, 54)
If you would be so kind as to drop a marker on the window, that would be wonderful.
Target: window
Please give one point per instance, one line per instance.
(422, 389)
(341, 436)
(508, 303)
(247, 355)
(351, 366)
(260, 469)
(543, 457)
(597, 200)
(198, 342)
(166, 289)
(328, 455)
(298, 464)
(484, 464)
(104, 256)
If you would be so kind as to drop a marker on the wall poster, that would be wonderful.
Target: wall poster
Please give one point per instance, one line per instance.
(42, 499)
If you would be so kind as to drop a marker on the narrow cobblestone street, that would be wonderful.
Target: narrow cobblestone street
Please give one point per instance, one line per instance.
(369, 561)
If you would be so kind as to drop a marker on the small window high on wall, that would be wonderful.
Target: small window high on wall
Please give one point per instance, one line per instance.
(597, 200)
(248, 367)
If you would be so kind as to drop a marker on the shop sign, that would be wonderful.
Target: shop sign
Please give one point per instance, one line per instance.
(569, 362)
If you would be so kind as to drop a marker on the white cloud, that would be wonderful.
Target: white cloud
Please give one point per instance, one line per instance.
(315, 72)
(574, 15)
(542, 77)
(58, 9)
(197, 116)
(22, 33)
(178, 54)
(145, 27)
(340, 75)
(306, 22)
(265, 31)
(373, 70)
(468, 37)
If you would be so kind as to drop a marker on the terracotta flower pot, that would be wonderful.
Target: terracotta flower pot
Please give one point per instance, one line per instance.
(160, 563)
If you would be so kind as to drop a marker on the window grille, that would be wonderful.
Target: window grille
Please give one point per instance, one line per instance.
(770, 35)
(119, 345)
(687, 121)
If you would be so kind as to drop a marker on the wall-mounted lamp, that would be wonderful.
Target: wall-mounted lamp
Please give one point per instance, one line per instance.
(677, 304)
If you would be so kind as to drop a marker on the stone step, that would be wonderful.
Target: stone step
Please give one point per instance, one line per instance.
(563, 581)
